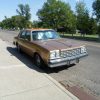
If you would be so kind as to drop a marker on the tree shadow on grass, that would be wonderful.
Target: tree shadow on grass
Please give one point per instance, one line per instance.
(28, 61)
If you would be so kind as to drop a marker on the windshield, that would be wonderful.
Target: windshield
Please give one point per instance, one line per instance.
(45, 35)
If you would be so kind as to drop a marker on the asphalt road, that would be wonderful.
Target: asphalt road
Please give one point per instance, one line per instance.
(85, 74)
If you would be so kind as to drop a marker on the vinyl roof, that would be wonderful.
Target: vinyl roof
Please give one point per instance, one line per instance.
(37, 29)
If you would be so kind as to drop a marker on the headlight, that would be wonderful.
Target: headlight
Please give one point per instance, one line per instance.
(54, 54)
(83, 49)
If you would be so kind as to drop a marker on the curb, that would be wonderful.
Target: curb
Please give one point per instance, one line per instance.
(73, 97)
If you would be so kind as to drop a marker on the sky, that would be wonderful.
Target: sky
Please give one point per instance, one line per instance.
(8, 7)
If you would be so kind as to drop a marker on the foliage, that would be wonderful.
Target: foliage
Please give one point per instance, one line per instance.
(24, 10)
(96, 8)
(18, 21)
(82, 17)
(6, 23)
(55, 14)
(15, 22)
(98, 30)
(20, 11)
(37, 24)
(58, 15)
(92, 27)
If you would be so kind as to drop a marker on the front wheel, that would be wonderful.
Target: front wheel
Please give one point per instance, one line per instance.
(38, 61)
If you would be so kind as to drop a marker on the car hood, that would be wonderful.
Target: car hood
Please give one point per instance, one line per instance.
(57, 44)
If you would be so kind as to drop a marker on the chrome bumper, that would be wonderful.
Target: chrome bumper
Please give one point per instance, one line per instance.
(65, 61)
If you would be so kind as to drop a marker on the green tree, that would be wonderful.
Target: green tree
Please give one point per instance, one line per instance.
(24, 10)
(18, 22)
(0, 24)
(27, 12)
(96, 8)
(20, 10)
(15, 22)
(36, 24)
(24, 15)
(92, 28)
(56, 14)
(82, 17)
(6, 23)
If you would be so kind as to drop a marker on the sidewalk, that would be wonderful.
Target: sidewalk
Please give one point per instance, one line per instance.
(19, 82)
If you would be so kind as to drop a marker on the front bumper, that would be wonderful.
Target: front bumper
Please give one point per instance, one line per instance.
(65, 61)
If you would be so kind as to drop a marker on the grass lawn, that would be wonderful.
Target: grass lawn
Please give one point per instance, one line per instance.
(81, 37)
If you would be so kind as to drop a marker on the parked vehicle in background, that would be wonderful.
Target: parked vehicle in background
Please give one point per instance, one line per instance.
(48, 48)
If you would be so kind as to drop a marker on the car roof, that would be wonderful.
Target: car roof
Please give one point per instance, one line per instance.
(38, 29)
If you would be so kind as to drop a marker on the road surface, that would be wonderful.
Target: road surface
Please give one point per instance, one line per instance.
(85, 74)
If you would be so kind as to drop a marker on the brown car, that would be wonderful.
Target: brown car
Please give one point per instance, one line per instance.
(47, 47)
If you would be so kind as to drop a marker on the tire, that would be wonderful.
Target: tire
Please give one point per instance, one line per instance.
(18, 49)
(38, 61)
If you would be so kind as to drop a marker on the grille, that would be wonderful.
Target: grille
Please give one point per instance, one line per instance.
(70, 53)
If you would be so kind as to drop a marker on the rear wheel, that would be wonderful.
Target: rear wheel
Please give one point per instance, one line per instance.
(18, 48)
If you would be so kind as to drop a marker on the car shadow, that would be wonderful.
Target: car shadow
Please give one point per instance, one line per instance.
(57, 69)
(28, 61)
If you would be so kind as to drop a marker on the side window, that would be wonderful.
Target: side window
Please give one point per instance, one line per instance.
(28, 35)
(22, 34)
